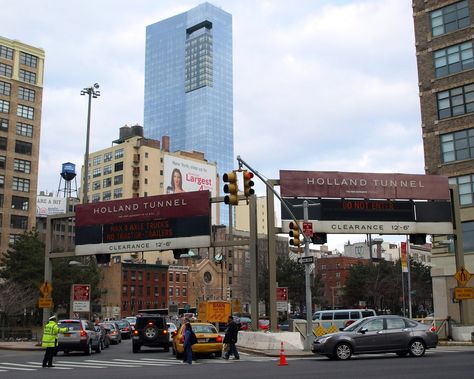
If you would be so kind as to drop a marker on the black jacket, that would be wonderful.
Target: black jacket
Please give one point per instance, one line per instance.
(231, 333)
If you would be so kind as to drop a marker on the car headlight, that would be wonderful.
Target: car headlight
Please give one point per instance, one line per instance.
(321, 340)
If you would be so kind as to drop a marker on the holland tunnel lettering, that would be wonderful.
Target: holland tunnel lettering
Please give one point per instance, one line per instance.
(174, 221)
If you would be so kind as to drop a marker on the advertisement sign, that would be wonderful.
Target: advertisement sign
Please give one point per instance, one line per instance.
(164, 222)
(404, 256)
(363, 185)
(48, 205)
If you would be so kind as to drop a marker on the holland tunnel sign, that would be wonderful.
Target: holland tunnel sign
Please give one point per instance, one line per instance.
(164, 222)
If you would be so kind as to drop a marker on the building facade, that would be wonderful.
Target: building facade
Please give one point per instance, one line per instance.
(445, 59)
(188, 83)
(21, 96)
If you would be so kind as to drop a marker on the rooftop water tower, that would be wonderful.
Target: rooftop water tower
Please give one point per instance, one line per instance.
(68, 175)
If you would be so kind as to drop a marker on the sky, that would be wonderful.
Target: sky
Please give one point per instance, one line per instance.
(319, 85)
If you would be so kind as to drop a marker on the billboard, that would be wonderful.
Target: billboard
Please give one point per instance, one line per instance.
(363, 185)
(49, 205)
(164, 222)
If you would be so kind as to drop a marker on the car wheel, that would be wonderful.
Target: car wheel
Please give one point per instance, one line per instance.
(136, 348)
(416, 348)
(150, 332)
(402, 353)
(88, 349)
(343, 351)
(98, 349)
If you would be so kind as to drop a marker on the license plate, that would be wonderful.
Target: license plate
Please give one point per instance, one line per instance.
(67, 334)
(201, 340)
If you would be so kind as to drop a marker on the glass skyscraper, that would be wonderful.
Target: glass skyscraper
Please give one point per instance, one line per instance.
(188, 84)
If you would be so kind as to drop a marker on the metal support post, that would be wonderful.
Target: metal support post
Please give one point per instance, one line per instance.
(410, 312)
(48, 272)
(307, 271)
(253, 262)
(272, 280)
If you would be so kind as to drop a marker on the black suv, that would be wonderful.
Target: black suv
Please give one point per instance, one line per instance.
(152, 331)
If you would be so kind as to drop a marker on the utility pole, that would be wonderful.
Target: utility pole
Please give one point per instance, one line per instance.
(307, 273)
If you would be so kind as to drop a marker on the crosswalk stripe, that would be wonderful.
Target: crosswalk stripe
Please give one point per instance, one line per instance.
(105, 363)
(81, 364)
(18, 368)
(40, 366)
(118, 360)
(168, 361)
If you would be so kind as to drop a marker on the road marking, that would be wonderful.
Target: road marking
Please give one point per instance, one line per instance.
(140, 362)
(17, 368)
(105, 363)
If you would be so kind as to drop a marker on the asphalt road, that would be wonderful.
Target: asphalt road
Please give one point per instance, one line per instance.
(119, 362)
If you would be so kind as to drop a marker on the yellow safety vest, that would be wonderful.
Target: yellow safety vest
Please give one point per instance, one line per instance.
(50, 334)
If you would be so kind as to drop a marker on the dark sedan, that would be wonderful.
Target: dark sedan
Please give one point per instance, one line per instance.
(378, 334)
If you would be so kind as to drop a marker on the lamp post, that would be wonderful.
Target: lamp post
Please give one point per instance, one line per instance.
(92, 92)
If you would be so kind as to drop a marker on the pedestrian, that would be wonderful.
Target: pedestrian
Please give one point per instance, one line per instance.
(230, 338)
(50, 340)
(188, 343)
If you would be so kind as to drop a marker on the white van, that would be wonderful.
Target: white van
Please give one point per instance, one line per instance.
(334, 320)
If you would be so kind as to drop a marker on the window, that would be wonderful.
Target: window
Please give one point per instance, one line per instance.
(96, 172)
(457, 146)
(453, 59)
(4, 124)
(97, 160)
(21, 184)
(21, 165)
(2, 181)
(6, 70)
(23, 147)
(374, 325)
(5, 88)
(26, 94)
(170, 292)
(3, 143)
(177, 277)
(450, 18)
(22, 203)
(28, 59)
(395, 323)
(24, 129)
(118, 153)
(6, 52)
(455, 102)
(27, 76)
(25, 112)
(3, 161)
(107, 169)
(468, 235)
(118, 166)
(118, 193)
(107, 182)
(107, 157)
(118, 179)
(466, 188)
(4, 106)
(19, 222)
(124, 290)
(1, 206)
(185, 292)
(13, 238)
(170, 277)
(96, 185)
(107, 195)
(177, 292)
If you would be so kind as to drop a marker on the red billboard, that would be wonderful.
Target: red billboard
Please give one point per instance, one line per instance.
(363, 185)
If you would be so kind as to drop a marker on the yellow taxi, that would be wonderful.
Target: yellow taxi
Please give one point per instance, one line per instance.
(209, 341)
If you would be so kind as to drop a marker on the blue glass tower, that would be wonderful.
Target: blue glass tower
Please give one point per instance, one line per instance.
(188, 84)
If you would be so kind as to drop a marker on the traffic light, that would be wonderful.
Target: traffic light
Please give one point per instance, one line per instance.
(102, 259)
(418, 239)
(294, 234)
(231, 187)
(248, 183)
(319, 238)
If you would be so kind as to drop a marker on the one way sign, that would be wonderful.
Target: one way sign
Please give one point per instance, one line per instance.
(306, 260)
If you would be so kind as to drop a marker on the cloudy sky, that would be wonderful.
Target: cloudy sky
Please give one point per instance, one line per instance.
(318, 84)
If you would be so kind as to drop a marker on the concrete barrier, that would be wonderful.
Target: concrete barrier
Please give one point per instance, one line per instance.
(462, 333)
(270, 341)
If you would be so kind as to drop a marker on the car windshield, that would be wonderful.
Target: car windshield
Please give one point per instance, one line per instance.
(109, 326)
(70, 325)
(204, 329)
(352, 327)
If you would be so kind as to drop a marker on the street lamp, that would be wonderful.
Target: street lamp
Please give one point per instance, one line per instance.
(93, 92)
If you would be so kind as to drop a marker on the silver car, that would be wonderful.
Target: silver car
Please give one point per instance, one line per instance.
(81, 336)
(378, 334)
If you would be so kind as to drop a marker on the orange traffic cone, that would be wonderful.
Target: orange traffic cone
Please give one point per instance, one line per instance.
(282, 356)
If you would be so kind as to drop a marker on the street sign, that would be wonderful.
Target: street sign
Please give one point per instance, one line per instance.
(45, 302)
(463, 276)
(306, 260)
(282, 293)
(81, 297)
(463, 293)
(282, 306)
(46, 288)
(308, 229)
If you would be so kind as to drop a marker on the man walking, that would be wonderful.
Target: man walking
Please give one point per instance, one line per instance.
(230, 338)
(50, 340)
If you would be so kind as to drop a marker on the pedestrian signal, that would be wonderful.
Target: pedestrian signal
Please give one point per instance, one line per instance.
(231, 188)
(319, 238)
(294, 234)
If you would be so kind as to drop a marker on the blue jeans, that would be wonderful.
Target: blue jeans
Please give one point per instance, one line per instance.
(232, 351)
(188, 354)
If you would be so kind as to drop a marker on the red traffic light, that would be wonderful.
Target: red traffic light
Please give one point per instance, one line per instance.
(248, 183)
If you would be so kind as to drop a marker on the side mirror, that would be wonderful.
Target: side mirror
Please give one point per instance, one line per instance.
(363, 330)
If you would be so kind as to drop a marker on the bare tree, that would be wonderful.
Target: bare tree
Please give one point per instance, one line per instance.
(14, 298)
